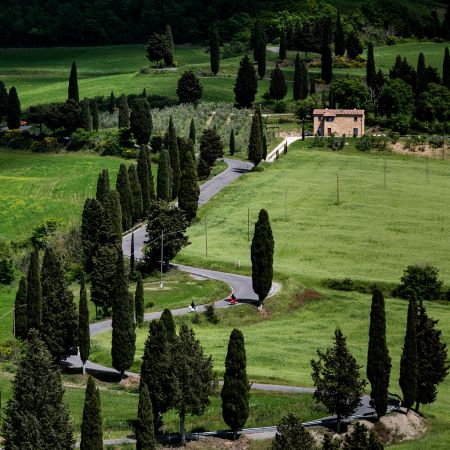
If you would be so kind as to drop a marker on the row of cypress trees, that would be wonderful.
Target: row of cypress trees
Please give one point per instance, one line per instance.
(10, 107)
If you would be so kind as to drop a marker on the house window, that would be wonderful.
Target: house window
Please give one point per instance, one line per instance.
(355, 119)
(329, 119)
(319, 118)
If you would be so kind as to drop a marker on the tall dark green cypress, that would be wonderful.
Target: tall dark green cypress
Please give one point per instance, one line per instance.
(59, 315)
(95, 118)
(123, 331)
(84, 335)
(91, 222)
(132, 262)
(163, 183)
(312, 88)
(111, 230)
(136, 191)
(409, 359)
(190, 191)
(421, 74)
(236, 388)
(145, 431)
(169, 325)
(139, 300)
(86, 117)
(13, 111)
(446, 69)
(103, 186)
(371, 71)
(91, 425)
(73, 84)
(246, 84)
(327, 62)
(174, 159)
(124, 112)
(34, 292)
(112, 103)
(232, 143)
(141, 121)
(278, 84)
(378, 360)
(214, 52)
(144, 180)
(262, 250)
(339, 37)
(20, 310)
(305, 80)
(3, 100)
(170, 55)
(255, 145)
(192, 135)
(298, 79)
(262, 58)
(126, 197)
(282, 49)
(151, 187)
(262, 133)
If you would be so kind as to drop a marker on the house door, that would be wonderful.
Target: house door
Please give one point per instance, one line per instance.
(329, 132)
(355, 132)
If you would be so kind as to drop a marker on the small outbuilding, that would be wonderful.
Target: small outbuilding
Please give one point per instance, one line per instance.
(339, 122)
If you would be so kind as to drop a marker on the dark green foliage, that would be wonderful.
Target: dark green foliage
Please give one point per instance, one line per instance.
(403, 70)
(278, 84)
(66, 115)
(37, 417)
(336, 378)
(86, 118)
(263, 135)
(91, 426)
(232, 143)
(378, 360)
(6, 271)
(312, 88)
(126, 197)
(255, 144)
(185, 146)
(145, 431)
(370, 68)
(214, 51)
(123, 344)
(298, 79)
(257, 34)
(409, 359)
(446, 24)
(446, 69)
(112, 103)
(361, 439)
(139, 300)
(190, 191)
(262, 58)
(194, 377)
(95, 118)
(326, 60)
(103, 186)
(305, 80)
(169, 56)
(59, 316)
(73, 84)
(423, 280)
(20, 310)
(111, 230)
(157, 48)
(192, 136)
(292, 435)
(13, 111)
(396, 98)
(103, 276)
(329, 443)
(203, 169)
(246, 84)
(349, 93)
(3, 100)
(169, 325)
(84, 336)
(124, 112)
(91, 222)
(170, 219)
(136, 191)
(141, 121)
(174, 159)
(236, 389)
(433, 365)
(339, 37)
(262, 256)
(157, 372)
(145, 179)
(189, 89)
(282, 49)
(211, 146)
(132, 262)
(164, 179)
(354, 46)
(34, 292)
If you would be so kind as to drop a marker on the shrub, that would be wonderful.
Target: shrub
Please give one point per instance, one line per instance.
(421, 279)
(16, 139)
(6, 350)
(156, 144)
(41, 232)
(6, 271)
(280, 107)
(47, 145)
(196, 319)
(82, 139)
(210, 314)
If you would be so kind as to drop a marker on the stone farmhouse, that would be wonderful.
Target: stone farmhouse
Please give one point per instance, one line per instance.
(348, 122)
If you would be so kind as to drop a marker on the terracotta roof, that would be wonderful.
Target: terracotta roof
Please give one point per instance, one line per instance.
(338, 112)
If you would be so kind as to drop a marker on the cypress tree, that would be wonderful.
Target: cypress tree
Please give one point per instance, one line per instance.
(211, 146)
(256, 36)
(123, 331)
(169, 325)
(409, 360)
(13, 111)
(91, 222)
(189, 88)
(126, 197)
(124, 112)
(305, 80)
(312, 88)
(111, 230)
(139, 300)
(446, 23)
(95, 118)
(37, 414)
(378, 360)
(59, 315)
(421, 74)
(298, 79)
(86, 118)
(327, 62)
(112, 103)
(446, 69)
(354, 46)
(432, 358)
(185, 146)
(262, 134)
(214, 51)
(246, 84)
(170, 54)
(132, 256)
(291, 434)
(163, 182)
(145, 179)
(141, 121)
(339, 40)
(262, 58)
(262, 256)
(145, 432)
(20, 310)
(255, 145)
(84, 335)
(232, 143)
(174, 159)
(91, 426)
(203, 169)
(278, 85)
(136, 191)
(73, 84)
(282, 50)
(3, 100)
(189, 192)
(34, 292)
(192, 131)
(103, 186)
(370, 69)
(236, 389)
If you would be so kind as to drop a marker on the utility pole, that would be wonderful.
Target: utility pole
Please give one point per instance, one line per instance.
(337, 188)
(14, 333)
(161, 284)
(427, 170)
(385, 162)
(206, 237)
(285, 206)
(248, 224)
